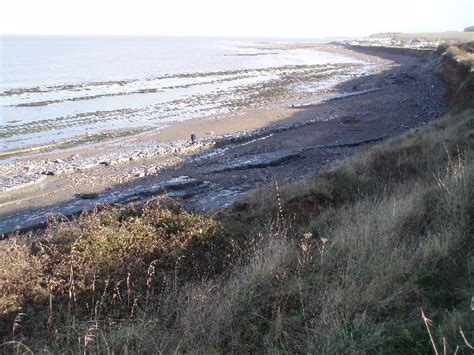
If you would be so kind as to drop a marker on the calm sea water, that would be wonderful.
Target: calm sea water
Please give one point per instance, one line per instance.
(53, 89)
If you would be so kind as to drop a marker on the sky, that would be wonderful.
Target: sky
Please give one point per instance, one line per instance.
(239, 18)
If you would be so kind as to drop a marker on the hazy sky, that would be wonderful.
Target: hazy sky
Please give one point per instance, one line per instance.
(254, 18)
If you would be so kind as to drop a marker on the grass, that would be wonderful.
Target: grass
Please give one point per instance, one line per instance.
(463, 54)
(448, 36)
(343, 262)
(457, 69)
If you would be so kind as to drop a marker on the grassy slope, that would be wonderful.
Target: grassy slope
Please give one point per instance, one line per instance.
(342, 262)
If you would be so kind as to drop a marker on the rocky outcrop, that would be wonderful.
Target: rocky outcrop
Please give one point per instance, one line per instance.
(406, 51)
(258, 161)
(466, 89)
(457, 73)
(452, 73)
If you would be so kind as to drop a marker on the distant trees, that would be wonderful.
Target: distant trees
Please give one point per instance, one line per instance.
(469, 29)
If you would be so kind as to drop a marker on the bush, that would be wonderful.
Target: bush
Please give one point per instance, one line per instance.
(339, 263)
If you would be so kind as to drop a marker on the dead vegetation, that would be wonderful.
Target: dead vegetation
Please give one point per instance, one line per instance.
(340, 263)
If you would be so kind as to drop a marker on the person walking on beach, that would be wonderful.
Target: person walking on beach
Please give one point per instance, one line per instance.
(193, 138)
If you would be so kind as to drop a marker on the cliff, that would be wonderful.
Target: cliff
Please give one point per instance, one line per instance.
(455, 68)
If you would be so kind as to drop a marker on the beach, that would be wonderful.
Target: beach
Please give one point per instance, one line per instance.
(285, 137)
(236, 177)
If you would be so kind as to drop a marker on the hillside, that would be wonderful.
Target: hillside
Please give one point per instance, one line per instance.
(448, 36)
(343, 262)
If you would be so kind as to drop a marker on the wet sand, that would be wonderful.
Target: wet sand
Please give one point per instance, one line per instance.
(287, 140)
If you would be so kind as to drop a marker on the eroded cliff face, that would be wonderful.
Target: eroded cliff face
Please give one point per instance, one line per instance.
(466, 88)
(457, 73)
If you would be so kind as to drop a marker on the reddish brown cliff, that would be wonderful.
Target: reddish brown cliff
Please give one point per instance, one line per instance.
(456, 69)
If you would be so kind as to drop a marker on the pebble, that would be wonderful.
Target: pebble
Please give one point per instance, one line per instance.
(17, 173)
(36, 168)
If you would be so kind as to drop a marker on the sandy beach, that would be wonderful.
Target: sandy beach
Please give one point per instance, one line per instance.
(289, 138)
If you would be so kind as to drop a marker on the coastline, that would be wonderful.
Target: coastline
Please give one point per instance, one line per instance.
(74, 107)
(175, 134)
(62, 177)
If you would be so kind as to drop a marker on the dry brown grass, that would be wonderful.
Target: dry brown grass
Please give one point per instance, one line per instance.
(104, 266)
(462, 56)
(343, 266)
(355, 283)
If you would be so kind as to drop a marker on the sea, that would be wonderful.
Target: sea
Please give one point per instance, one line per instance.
(58, 90)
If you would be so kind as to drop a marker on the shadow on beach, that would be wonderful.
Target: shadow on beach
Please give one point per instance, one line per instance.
(362, 111)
